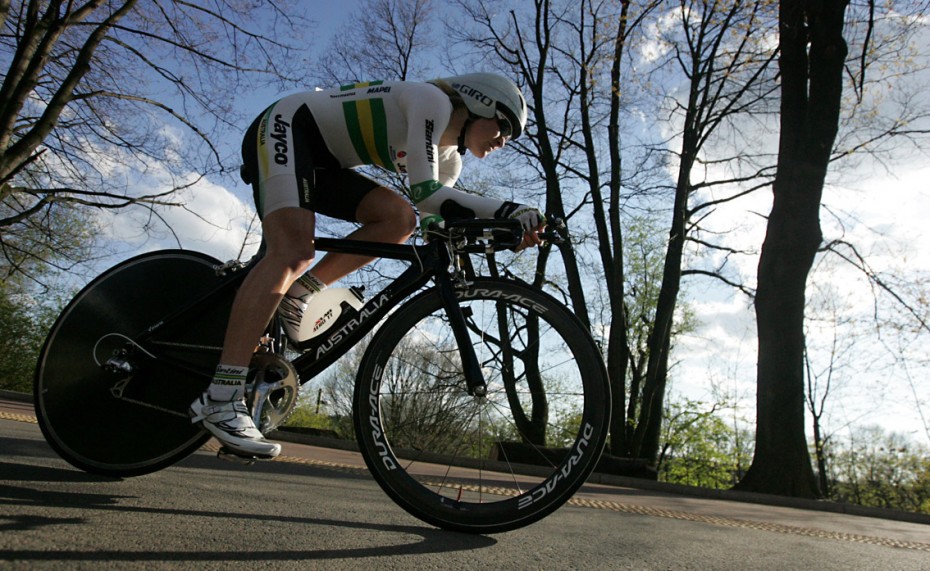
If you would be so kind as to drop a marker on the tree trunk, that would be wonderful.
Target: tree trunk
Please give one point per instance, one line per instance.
(610, 242)
(812, 53)
(649, 424)
(820, 454)
(781, 464)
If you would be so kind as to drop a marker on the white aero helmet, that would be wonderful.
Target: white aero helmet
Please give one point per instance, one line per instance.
(492, 96)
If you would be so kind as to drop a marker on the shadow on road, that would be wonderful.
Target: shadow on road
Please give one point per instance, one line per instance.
(430, 541)
(80, 507)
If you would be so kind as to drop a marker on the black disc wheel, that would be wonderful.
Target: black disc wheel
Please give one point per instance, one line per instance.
(120, 366)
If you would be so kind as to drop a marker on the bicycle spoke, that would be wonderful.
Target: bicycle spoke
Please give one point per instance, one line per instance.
(504, 456)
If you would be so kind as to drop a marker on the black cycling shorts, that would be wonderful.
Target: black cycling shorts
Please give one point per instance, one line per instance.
(288, 164)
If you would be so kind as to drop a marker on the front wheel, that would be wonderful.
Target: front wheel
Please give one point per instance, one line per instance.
(482, 464)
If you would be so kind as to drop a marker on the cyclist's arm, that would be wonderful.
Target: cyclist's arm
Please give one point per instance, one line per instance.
(436, 195)
(433, 172)
(450, 165)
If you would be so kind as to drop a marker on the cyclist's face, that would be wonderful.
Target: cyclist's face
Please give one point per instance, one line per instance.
(484, 137)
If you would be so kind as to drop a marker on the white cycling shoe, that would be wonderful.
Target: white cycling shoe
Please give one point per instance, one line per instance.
(231, 424)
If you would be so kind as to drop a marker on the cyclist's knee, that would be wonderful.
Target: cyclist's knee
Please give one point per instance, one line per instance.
(406, 220)
(299, 261)
(289, 236)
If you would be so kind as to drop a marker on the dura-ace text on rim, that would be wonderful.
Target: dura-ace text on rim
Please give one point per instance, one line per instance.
(494, 462)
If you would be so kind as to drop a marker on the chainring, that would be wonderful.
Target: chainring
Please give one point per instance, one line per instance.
(272, 390)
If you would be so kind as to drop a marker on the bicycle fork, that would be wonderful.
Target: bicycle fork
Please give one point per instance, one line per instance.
(474, 378)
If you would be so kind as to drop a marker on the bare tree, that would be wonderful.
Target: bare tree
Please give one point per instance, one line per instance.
(96, 92)
(898, 320)
(568, 56)
(832, 341)
(386, 39)
(823, 122)
(728, 75)
(573, 59)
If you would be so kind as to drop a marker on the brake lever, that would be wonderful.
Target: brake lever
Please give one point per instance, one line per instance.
(556, 231)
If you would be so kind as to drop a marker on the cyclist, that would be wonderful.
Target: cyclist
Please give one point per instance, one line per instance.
(298, 157)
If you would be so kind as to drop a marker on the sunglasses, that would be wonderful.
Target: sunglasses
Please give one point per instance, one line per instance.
(504, 126)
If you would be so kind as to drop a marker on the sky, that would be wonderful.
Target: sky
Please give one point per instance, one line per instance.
(868, 390)
(884, 212)
(218, 218)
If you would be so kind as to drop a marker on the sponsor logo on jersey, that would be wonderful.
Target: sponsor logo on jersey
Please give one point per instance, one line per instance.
(423, 190)
(429, 141)
(380, 89)
(399, 158)
(279, 134)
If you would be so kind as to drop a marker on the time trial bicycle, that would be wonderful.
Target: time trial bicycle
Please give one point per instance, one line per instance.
(481, 403)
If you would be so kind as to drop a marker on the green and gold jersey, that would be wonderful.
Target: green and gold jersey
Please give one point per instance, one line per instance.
(397, 126)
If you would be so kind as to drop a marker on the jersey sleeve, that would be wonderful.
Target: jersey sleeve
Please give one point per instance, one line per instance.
(454, 204)
(428, 111)
(431, 172)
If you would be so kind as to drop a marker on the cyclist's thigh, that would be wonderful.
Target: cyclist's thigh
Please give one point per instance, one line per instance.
(385, 205)
(339, 192)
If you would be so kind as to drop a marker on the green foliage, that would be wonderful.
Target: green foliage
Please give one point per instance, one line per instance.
(870, 468)
(644, 258)
(701, 449)
(880, 469)
(316, 408)
(306, 417)
(31, 292)
(33, 249)
(23, 326)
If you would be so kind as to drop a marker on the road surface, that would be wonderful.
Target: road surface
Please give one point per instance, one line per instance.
(319, 509)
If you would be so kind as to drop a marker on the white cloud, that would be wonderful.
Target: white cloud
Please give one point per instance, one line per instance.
(655, 45)
(885, 217)
(214, 220)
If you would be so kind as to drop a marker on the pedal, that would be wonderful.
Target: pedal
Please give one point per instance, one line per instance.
(230, 455)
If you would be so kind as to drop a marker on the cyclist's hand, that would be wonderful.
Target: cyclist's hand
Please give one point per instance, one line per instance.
(531, 237)
(532, 219)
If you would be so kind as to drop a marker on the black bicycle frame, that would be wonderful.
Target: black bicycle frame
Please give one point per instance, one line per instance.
(431, 261)
(320, 352)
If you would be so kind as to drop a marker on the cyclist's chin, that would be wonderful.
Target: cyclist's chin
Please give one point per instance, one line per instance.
(482, 152)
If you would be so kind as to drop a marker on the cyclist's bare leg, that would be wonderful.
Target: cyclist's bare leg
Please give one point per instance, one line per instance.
(288, 235)
(386, 217)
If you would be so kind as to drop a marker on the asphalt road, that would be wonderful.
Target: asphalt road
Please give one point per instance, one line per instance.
(302, 513)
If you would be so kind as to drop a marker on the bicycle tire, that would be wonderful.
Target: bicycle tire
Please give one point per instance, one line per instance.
(129, 425)
(429, 445)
